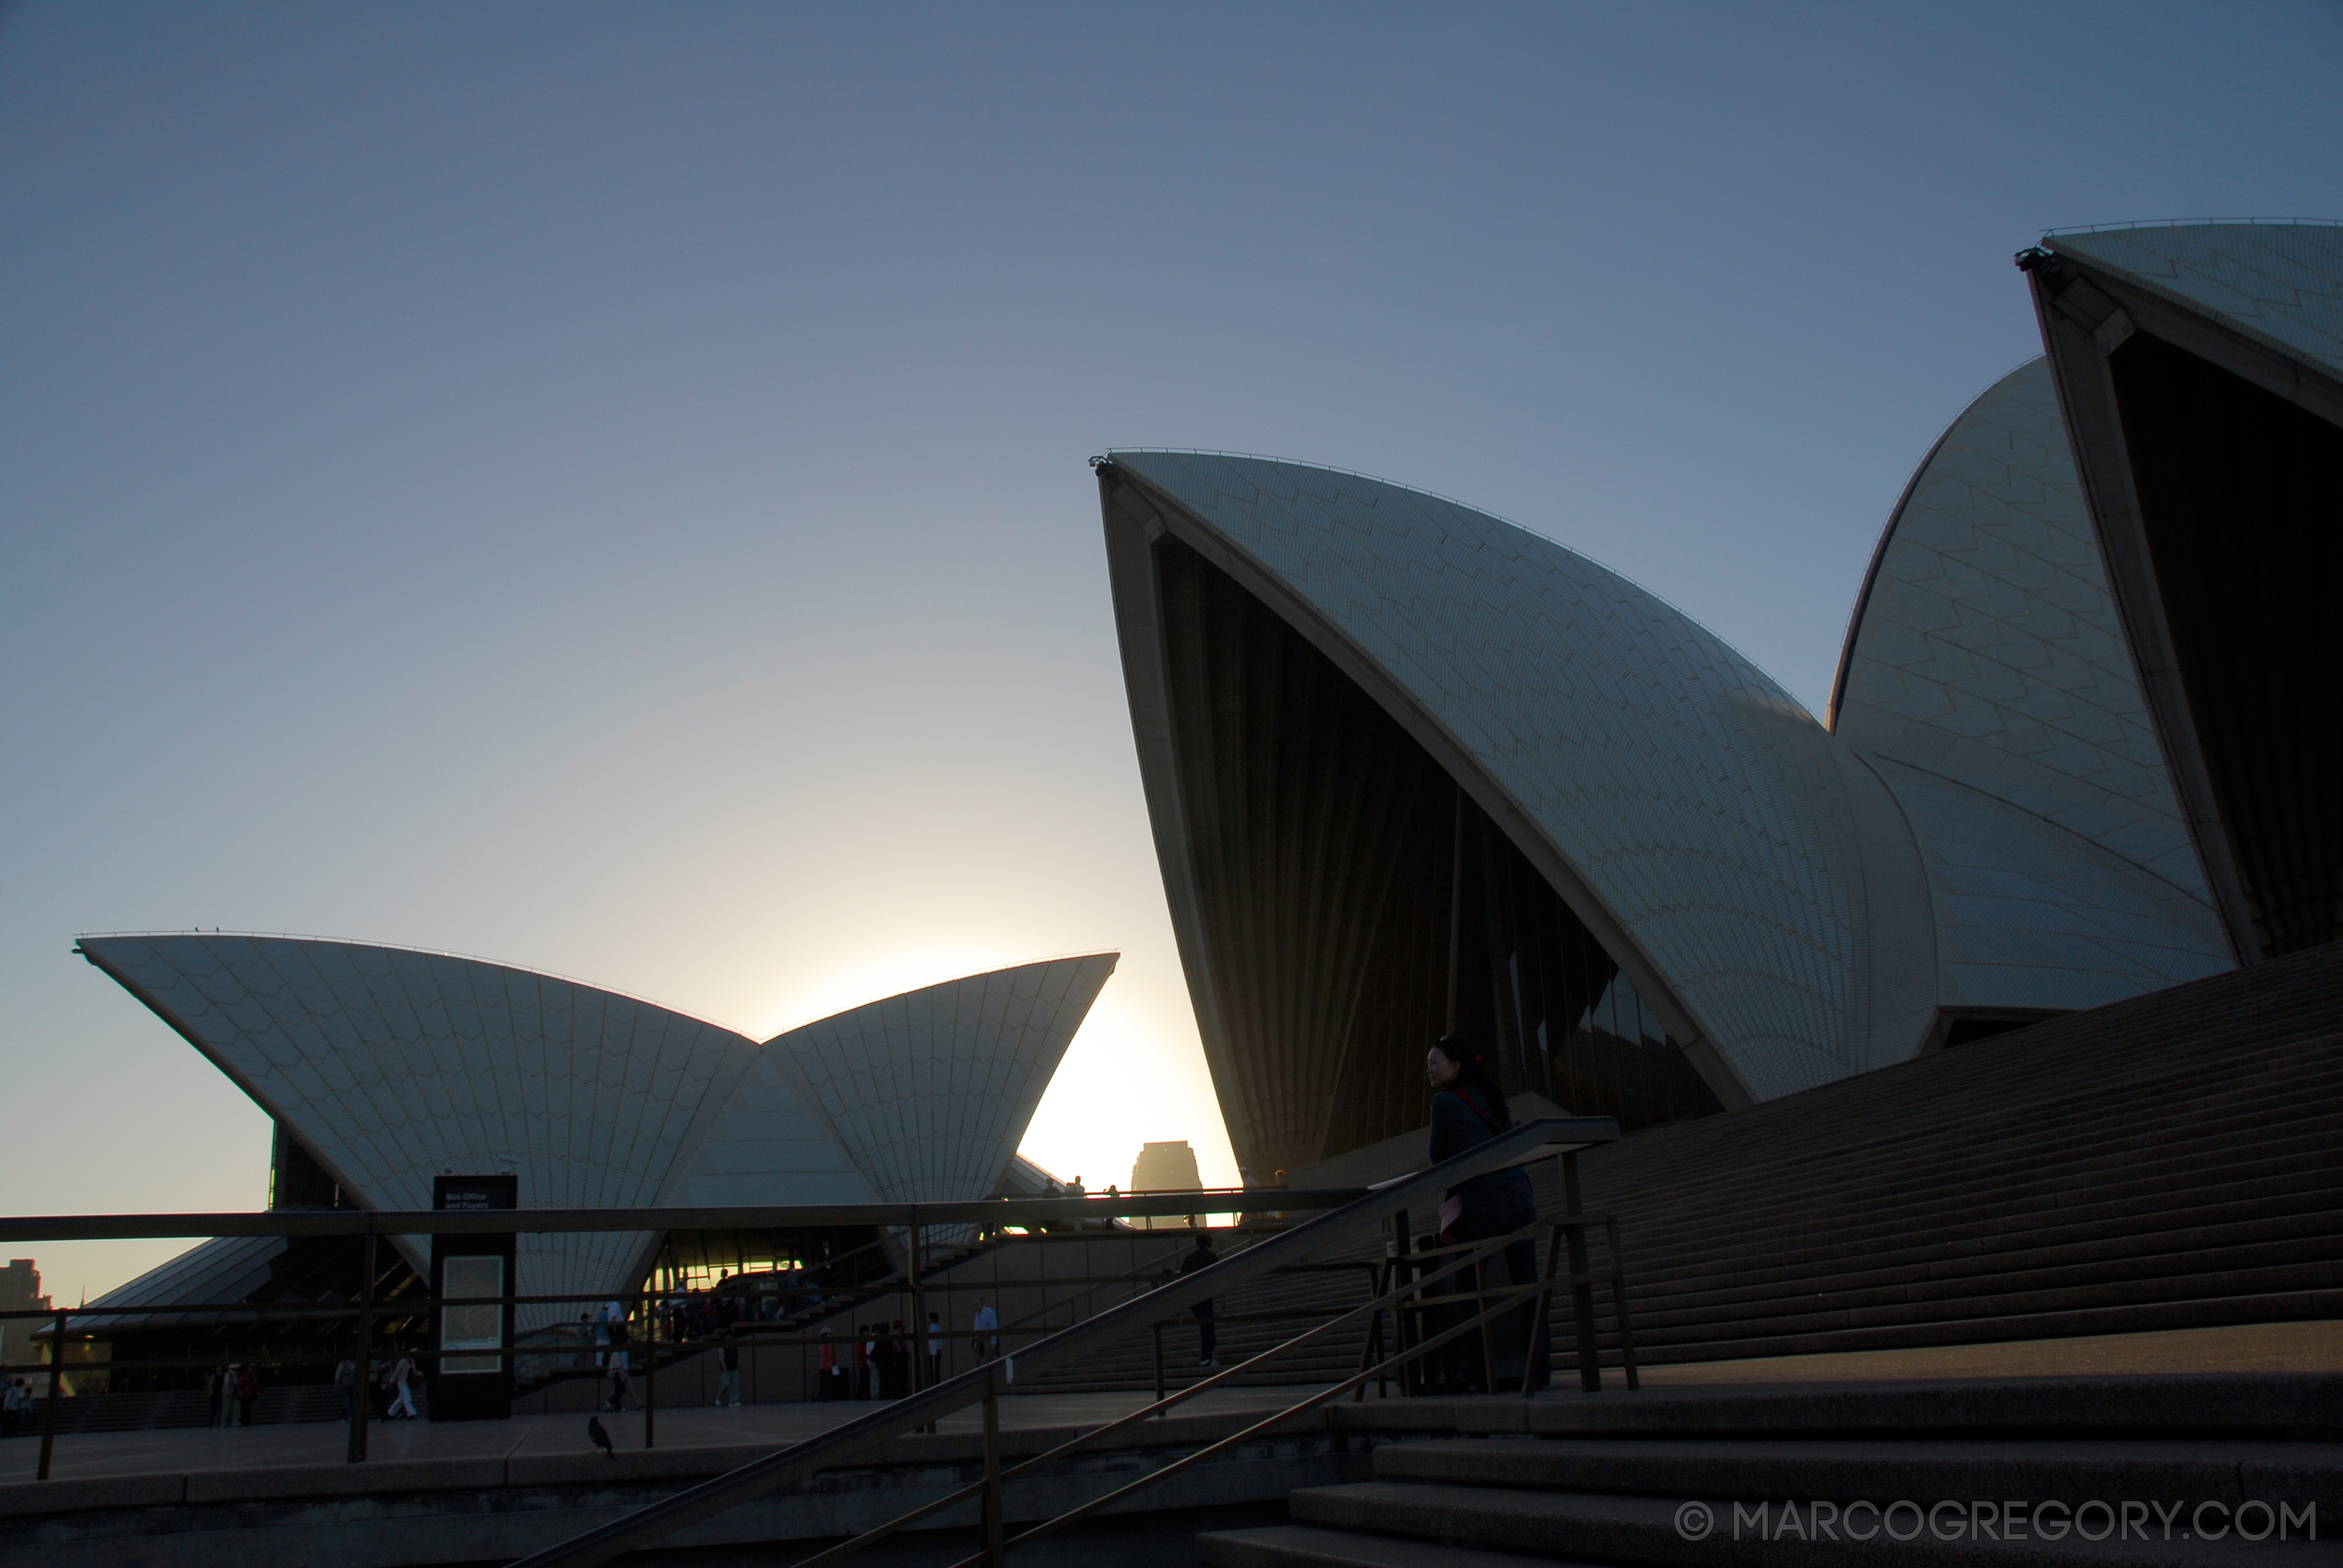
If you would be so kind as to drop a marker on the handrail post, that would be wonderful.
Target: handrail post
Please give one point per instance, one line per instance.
(1406, 1324)
(362, 1390)
(995, 1548)
(1619, 1304)
(1378, 1282)
(916, 1351)
(1581, 1285)
(1554, 1248)
(649, 1372)
(1488, 1335)
(56, 1393)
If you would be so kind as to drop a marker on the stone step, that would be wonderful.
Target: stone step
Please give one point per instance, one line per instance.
(2255, 1407)
(1926, 1469)
(2275, 1153)
(1305, 1546)
(2255, 1267)
(1697, 1534)
(2299, 1301)
(2279, 1159)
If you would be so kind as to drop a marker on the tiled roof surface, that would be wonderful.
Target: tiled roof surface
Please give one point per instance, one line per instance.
(2028, 915)
(2279, 282)
(770, 1145)
(1988, 654)
(1696, 798)
(931, 1090)
(393, 1067)
(1989, 642)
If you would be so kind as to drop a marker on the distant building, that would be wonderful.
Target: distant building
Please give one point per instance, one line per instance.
(1165, 1167)
(20, 1291)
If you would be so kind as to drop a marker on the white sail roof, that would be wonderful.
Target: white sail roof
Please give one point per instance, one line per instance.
(1693, 797)
(1987, 674)
(393, 1067)
(932, 1090)
(2281, 282)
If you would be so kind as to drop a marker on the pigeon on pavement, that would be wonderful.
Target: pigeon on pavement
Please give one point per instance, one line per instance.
(601, 1436)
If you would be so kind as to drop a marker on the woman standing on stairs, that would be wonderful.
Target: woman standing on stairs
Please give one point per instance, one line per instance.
(1467, 1109)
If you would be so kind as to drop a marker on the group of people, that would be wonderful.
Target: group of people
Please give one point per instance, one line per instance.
(877, 1362)
(604, 1340)
(232, 1391)
(390, 1391)
(17, 1400)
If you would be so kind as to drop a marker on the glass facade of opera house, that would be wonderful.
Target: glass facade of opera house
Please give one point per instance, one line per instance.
(1412, 770)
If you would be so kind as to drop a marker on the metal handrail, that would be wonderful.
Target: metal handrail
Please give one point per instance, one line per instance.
(989, 1212)
(1544, 1138)
(879, 1532)
(1512, 1302)
(372, 1225)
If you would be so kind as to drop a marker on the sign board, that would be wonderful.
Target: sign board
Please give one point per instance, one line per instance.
(471, 1340)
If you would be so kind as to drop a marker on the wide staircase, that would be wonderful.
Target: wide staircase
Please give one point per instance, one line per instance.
(2096, 1472)
(2166, 1162)
(1249, 1322)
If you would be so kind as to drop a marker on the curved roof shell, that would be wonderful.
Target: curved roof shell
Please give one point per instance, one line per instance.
(2199, 372)
(931, 1091)
(1692, 812)
(2280, 284)
(1987, 677)
(392, 1067)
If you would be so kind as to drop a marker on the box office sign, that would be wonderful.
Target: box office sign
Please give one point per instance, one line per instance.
(472, 1339)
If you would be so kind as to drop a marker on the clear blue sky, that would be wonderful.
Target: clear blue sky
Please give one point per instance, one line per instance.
(603, 487)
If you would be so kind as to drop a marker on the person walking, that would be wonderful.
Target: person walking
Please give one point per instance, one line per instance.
(231, 1407)
(826, 1363)
(247, 1395)
(934, 1349)
(1208, 1331)
(346, 1383)
(1467, 1109)
(728, 1387)
(11, 1408)
(402, 1399)
(615, 1361)
(987, 1325)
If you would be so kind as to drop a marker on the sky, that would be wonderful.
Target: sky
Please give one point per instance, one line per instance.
(603, 487)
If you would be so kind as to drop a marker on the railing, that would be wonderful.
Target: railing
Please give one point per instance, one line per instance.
(1556, 1137)
(1004, 1216)
(1416, 1290)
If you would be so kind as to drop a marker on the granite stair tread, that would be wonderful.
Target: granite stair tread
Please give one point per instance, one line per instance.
(1306, 1546)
